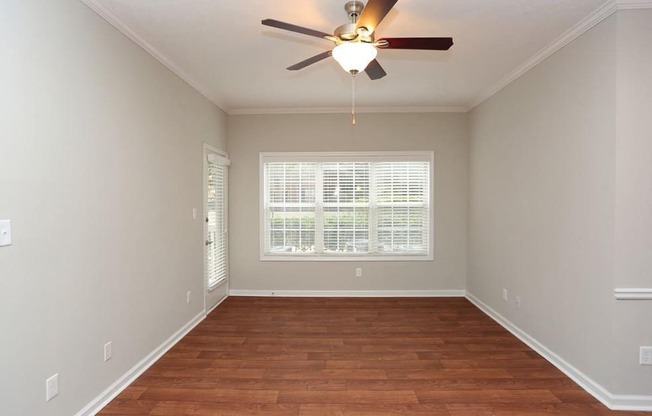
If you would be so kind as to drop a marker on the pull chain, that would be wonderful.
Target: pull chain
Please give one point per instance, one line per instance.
(353, 100)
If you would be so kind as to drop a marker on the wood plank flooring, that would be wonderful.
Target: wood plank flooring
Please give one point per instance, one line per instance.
(371, 356)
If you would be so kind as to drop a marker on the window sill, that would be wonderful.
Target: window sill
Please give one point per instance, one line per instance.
(352, 257)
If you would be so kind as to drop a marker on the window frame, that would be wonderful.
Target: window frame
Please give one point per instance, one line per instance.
(335, 157)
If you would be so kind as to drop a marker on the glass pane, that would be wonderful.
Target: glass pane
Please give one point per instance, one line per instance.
(292, 230)
(291, 212)
(346, 183)
(346, 229)
(400, 211)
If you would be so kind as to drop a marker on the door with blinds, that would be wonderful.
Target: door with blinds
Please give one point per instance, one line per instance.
(216, 227)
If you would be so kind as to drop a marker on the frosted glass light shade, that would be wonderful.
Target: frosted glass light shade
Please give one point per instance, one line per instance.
(354, 56)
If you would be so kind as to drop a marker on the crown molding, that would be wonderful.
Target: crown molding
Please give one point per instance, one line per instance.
(587, 23)
(107, 14)
(633, 4)
(347, 110)
(604, 11)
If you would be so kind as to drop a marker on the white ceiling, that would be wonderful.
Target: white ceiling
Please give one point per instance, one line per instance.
(221, 48)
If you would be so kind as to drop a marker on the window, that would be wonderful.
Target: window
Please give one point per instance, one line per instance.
(346, 206)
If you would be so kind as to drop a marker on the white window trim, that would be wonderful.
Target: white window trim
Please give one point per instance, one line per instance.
(411, 156)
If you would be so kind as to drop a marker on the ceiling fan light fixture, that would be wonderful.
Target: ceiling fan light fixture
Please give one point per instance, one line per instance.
(354, 57)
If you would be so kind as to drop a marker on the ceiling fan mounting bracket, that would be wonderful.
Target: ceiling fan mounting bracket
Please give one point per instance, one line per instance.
(354, 10)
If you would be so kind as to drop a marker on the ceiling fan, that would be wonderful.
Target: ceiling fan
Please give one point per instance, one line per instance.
(356, 44)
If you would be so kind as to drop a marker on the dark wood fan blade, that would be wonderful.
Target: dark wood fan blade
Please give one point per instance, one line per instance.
(310, 61)
(373, 13)
(294, 28)
(374, 70)
(432, 44)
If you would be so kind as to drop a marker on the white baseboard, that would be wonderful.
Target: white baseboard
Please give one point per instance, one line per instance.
(351, 293)
(219, 302)
(630, 402)
(123, 382)
(612, 401)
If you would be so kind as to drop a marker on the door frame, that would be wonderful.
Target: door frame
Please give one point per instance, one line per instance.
(212, 298)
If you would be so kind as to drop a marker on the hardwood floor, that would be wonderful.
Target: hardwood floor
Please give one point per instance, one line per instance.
(371, 356)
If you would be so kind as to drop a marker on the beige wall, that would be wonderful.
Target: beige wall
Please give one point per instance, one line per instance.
(100, 167)
(541, 215)
(445, 134)
(561, 203)
(633, 259)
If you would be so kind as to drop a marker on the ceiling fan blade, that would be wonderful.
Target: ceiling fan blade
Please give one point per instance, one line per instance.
(432, 44)
(373, 13)
(374, 70)
(294, 28)
(310, 61)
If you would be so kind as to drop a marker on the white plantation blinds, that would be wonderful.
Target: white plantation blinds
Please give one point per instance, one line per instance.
(291, 206)
(346, 205)
(345, 190)
(402, 209)
(216, 243)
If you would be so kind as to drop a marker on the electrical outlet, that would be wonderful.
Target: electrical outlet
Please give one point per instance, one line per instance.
(108, 351)
(645, 356)
(188, 296)
(517, 301)
(505, 294)
(5, 233)
(52, 387)
(358, 272)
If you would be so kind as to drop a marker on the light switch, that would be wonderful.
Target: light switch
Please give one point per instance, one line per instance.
(5, 233)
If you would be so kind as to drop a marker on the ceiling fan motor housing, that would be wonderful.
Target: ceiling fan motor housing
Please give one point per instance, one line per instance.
(348, 32)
